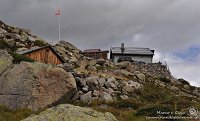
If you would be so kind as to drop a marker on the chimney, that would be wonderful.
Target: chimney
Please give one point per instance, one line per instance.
(122, 48)
(153, 51)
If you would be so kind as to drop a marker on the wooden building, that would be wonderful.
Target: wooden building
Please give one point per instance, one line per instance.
(95, 53)
(44, 54)
(132, 54)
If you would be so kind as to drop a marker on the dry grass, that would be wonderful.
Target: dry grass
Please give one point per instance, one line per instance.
(7, 114)
(121, 115)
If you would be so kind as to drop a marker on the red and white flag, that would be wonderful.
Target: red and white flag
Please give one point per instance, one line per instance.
(57, 12)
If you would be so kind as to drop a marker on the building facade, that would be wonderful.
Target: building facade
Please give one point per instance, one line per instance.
(44, 54)
(132, 54)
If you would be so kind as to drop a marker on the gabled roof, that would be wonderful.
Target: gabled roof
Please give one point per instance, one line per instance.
(94, 51)
(39, 48)
(31, 50)
(132, 50)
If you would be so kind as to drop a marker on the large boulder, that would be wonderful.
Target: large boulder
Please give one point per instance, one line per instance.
(91, 68)
(92, 82)
(131, 86)
(5, 60)
(135, 85)
(87, 98)
(35, 85)
(100, 61)
(83, 63)
(67, 46)
(106, 97)
(73, 60)
(141, 76)
(123, 64)
(92, 62)
(111, 83)
(67, 112)
(127, 73)
(2, 31)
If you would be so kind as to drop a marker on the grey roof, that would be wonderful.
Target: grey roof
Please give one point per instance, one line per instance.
(132, 50)
(30, 50)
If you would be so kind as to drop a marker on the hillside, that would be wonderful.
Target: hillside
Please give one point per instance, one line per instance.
(130, 91)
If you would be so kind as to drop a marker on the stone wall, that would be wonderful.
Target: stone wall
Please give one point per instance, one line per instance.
(153, 69)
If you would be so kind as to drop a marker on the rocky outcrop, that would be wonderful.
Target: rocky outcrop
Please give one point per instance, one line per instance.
(5, 60)
(124, 80)
(19, 39)
(105, 89)
(35, 85)
(96, 79)
(67, 46)
(67, 112)
(68, 52)
(153, 69)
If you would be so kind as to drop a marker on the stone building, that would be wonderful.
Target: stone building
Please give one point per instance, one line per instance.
(131, 54)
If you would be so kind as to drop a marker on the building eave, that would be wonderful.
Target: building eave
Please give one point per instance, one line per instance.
(132, 54)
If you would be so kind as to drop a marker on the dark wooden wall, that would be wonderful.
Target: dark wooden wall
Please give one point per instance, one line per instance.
(45, 55)
(96, 55)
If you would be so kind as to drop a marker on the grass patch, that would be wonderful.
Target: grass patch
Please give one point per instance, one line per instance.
(39, 43)
(125, 104)
(150, 99)
(100, 68)
(165, 80)
(151, 110)
(121, 115)
(3, 44)
(7, 114)
(17, 58)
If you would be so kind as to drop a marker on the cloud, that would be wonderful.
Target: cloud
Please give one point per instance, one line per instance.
(191, 54)
(181, 68)
(168, 26)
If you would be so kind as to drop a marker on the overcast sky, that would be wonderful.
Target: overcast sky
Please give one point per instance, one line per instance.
(171, 27)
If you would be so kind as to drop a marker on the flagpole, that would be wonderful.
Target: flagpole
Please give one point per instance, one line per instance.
(59, 27)
(58, 14)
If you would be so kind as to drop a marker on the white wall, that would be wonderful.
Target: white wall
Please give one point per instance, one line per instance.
(146, 59)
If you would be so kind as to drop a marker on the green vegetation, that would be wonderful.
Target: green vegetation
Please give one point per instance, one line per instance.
(166, 80)
(122, 109)
(100, 68)
(3, 44)
(17, 58)
(39, 43)
(150, 99)
(183, 81)
(7, 114)
(125, 104)
(151, 110)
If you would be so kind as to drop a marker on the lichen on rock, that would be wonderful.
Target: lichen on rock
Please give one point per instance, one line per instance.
(67, 112)
(34, 85)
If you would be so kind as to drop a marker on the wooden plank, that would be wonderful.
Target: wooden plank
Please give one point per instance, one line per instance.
(45, 55)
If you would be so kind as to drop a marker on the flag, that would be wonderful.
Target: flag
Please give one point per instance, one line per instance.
(57, 12)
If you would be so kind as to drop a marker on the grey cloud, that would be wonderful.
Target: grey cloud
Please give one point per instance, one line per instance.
(97, 23)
